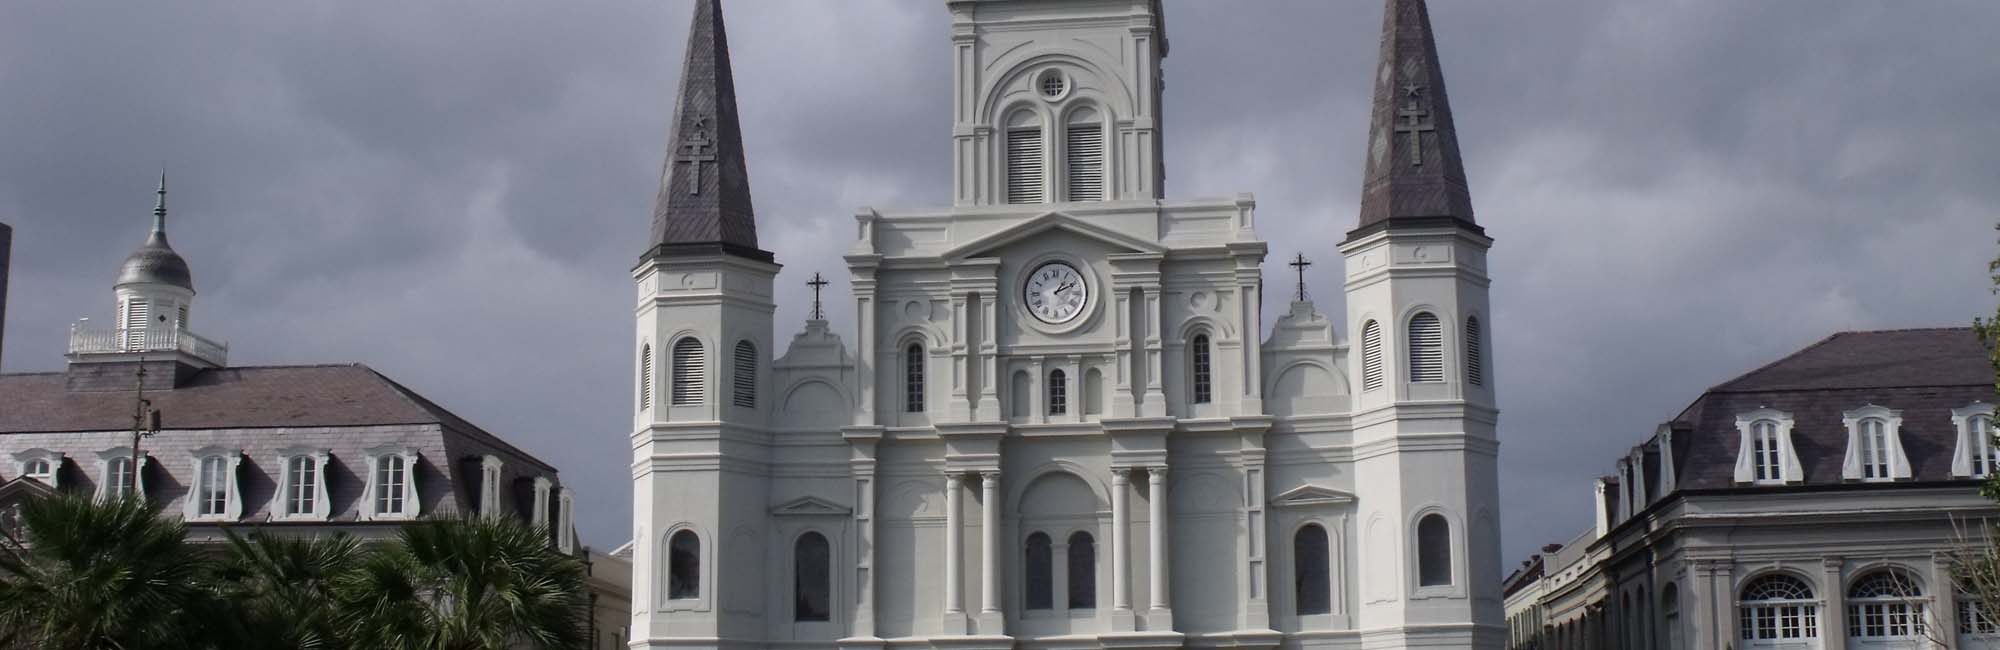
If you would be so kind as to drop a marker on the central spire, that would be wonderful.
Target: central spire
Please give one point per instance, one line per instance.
(160, 207)
(704, 201)
(1413, 171)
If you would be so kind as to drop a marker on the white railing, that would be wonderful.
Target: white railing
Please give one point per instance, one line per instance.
(171, 339)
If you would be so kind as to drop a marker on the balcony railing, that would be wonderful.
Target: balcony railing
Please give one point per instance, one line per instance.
(169, 339)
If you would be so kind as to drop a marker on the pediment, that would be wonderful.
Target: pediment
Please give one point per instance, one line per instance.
(1311, 495)
(810, 506)
(984, 246)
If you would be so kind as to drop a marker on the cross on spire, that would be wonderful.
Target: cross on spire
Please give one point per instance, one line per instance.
(816, 283)
(1411, 110)
(695, 150)
(1416, 127)
(1299, 263)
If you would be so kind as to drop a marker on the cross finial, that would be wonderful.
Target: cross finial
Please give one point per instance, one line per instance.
(816, 283)
(1299, 263)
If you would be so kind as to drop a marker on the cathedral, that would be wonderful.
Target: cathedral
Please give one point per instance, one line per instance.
(1061, 421)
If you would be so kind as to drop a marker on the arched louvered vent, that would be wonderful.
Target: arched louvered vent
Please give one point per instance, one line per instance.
(1426, 348)
(688, 365)
(746, 374)
(645, 377)
(1084, 149)
(1371, 355)
(1024, 159)
(1475, 365)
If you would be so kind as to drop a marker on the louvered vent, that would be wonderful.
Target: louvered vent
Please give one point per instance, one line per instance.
(645, 377)
(746, 375)
(688, 365)
(1086, 163)
(136, 312)
(1024, 166)
(1475, 366)
(1371, 356)
(1426, 348)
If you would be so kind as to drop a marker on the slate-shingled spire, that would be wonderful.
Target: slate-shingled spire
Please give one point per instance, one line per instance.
(704, 200)
(1414, 173)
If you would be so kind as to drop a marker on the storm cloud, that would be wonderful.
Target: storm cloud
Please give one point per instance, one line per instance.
(455, 192)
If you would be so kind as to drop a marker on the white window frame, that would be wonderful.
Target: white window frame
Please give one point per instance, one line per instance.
(1789, 470)
(321, 504)
(544, 489)
(1965, 459)
(53, 458)
(566, 520)
(370, 495)
(232, 488)
(106, 488)
(1862, 450)
(489, 485)
(1804, 613)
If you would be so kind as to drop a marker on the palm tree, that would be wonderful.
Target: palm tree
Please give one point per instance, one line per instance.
(465, 584)
(280, 590)
(83, 574)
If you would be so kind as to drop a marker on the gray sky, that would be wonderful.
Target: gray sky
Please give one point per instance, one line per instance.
(454, 192)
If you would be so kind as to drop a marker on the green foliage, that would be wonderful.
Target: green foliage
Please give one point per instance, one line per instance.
(470, 584)
(85, 575)
(1977, 568)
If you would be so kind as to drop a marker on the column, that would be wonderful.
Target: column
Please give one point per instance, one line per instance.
(960, 409)
(989, 551)
(1121, 561)
(989, 380)
(1122, 398)
(1156, 396)
(1253, 586)
(1156, 499)
(954, 554)
(1833, 620)
(864, 529)
(864, 354)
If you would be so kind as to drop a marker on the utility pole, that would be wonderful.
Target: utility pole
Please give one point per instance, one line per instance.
(145, 422)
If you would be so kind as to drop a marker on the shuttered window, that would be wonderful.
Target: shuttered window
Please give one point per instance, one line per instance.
(688, 366)
(746, 374)
(1426, 348)
(1086, 162)
(1475, 366)
(646, 377)
(1371, 355)
(1024, 165)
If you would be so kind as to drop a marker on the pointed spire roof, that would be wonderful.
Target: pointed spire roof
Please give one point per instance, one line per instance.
(1414, 171)
(156, 262)
(704, 201)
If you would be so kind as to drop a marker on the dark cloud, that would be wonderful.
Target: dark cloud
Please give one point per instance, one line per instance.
(455, 192)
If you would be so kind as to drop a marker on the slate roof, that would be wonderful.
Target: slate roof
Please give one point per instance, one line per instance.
(703, 205)
(1925, 373)
(1424, 184)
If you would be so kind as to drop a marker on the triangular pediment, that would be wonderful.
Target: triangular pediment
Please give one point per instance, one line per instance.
(985, 245)
(810, 506)
(1311, 495)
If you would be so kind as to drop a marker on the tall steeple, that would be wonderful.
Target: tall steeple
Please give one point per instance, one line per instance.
(704, 201)
(1414, 172)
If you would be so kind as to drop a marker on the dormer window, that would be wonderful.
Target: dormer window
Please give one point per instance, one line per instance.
(216, 495)
(117, 477)
(1874, 445)
(489, 485)
(1764, 453)
(40, 464)
(392, 484)
(302, 490)
(1975, 454)
(1025, 182)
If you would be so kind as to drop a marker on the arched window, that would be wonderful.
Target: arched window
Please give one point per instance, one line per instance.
(684, 566)
(1312, 580)
(1024, 158)
(1426, 348)
(645, 376)
(1085, 155)
(1203, 378)
(1874, 449)
(1767, 454)
(1371, 355)
(746, 374)
(1039, 578)
(41, 470)
(1777, 608)
(1886, 604)
(913, 379)
(212, 487)
(1082, 571)
(1058, 392)
(812, 578)
(689, 363)
(1670, 616)
(1433, 551)
(302, 485)
(118, 478)
(1475, 364)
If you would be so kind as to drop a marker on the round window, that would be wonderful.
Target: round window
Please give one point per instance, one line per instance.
(1052, 84)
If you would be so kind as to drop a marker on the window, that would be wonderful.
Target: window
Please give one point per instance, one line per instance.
(645, 377)
(1433, 551)
(1777, 608)
(214, 494)
(812, 578)
(688, 366)
(489, 485)
(1885, 604)
(1979, 435)
(1024, 158)
(544, 491)
(301, 485)
(1973, 618)
(1426, 348)
(392, 483)
(117, 478)
(566, 520)
(1058, 392)
(1371, 355)
(1203, 379)
(1085, 156)
(913, 379)
(1052, 84)
(1312, 580)
(746, 374)
(683, 566)
(1767, 453)
(211, 492)
(40, 469)
(1874, 449)
(1040, 572)
(1475, 365)
(1082, 571)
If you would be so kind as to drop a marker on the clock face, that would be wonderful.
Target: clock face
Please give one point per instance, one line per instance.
(1055, 293)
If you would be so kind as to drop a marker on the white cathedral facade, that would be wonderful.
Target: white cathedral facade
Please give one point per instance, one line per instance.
(1060, 423)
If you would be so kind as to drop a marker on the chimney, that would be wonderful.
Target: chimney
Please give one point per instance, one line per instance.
(6, 246)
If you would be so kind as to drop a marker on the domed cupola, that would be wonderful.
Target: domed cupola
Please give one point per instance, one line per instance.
(155, 295)
(155, 262)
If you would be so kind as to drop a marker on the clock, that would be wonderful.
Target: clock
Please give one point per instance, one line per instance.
(1055, 293)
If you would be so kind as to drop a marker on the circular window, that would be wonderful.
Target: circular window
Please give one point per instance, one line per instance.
(1052, 84)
